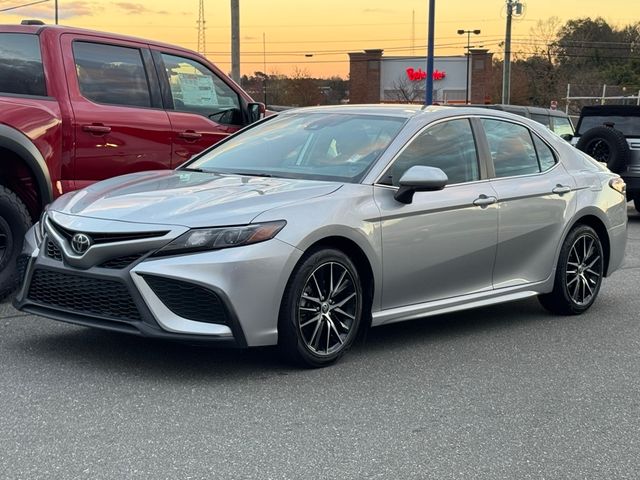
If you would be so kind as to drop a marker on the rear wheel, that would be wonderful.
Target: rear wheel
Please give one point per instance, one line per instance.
(321, 310)
(14, 223)
(578, 274)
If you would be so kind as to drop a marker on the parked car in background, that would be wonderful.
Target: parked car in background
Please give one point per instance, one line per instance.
(309, 226)
(611, 134)
(555, 120)
(79, 106)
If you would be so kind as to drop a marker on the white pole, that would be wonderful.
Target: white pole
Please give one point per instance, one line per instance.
(566, 108)
(604, 92)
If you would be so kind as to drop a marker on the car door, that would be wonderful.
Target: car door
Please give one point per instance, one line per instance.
(202, 107)
(119, 123)
(536, 198)
(442, 244)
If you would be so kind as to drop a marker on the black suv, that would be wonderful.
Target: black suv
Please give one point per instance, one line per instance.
(611, 134)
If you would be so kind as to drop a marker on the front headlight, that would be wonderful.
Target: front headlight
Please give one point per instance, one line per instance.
(201, 239)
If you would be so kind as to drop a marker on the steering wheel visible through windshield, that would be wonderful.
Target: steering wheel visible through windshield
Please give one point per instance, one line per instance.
(314, 146)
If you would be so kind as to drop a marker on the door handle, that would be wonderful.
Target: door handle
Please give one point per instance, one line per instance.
(96, 128)
(561, 189)
(483, 201)
(190, 135)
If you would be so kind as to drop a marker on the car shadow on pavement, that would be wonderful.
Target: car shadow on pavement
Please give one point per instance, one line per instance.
(71, 346)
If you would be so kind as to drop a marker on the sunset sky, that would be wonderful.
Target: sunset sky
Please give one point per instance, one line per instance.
(325, 29)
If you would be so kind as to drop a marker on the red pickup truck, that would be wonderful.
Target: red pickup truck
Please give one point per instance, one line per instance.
(78, 106)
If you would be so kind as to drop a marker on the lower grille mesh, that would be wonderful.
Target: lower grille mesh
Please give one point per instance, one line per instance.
(103, 298)
(188, 300)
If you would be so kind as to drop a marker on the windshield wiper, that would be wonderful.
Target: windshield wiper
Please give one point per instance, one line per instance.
(252, 174)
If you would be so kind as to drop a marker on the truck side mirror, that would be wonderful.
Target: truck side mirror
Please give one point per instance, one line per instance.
(256, 111)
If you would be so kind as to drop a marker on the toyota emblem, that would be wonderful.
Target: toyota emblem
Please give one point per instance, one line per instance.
(80, 243)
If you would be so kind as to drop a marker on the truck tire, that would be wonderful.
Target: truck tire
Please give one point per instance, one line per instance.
(14, 223)
(607, 145)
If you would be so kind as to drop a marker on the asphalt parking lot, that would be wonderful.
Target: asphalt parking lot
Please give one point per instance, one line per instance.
(507, 392)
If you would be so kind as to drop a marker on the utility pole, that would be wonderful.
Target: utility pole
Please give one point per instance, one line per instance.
(56, 8)
(235, 40)
(468, 32)
(506, 67)
(428, 94)
(202, 42)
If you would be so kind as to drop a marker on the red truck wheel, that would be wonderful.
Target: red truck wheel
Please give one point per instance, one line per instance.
(14, 223)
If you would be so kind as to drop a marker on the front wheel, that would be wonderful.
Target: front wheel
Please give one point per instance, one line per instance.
(578, 275)
(321, 309)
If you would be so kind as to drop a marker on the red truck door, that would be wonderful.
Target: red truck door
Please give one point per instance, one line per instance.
(203, 107)
(120, 125)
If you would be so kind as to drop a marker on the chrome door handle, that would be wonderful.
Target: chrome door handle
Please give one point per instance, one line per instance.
(484, 201)
(561, 189)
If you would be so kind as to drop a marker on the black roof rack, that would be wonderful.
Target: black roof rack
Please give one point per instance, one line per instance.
(31, 22)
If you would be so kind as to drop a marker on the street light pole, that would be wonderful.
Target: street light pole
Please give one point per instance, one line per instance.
(468, 32)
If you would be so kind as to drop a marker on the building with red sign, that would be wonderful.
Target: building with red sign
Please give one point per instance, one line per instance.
(374, 78)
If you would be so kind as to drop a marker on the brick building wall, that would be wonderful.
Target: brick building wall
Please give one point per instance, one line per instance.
(481, 76)
(364, 76)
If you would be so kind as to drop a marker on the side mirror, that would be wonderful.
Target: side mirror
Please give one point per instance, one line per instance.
(420, 179)
(256, 111)
(566, 136)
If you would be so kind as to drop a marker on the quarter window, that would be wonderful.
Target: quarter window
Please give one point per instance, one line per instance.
(196, 89)
(21, 69)
(511, 148)
(449, 146)
(545, 155)
(111, 74)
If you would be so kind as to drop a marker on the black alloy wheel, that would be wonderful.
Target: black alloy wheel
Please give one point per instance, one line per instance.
(321, 309)
(579, 273)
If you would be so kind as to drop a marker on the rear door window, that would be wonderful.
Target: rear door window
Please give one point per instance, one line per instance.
(511, 148)
(111, 74)
(21, 70)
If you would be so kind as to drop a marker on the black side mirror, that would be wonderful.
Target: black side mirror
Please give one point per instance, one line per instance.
(566, 136)
(420, 179)
(256, 111)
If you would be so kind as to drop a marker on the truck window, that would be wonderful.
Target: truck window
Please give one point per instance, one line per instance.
(196, 89)
(111, 74)
(562, 126)
(21, 69)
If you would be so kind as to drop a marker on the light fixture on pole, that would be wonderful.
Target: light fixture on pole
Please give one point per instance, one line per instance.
(468, 32)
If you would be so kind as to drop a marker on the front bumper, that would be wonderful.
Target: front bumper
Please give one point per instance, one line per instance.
(229, 297)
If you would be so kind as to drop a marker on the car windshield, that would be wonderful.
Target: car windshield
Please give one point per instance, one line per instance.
(314, 146)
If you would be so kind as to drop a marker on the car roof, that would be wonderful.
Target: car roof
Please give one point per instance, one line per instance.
(61, 29)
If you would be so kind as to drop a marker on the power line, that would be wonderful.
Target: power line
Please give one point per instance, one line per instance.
(23, 5)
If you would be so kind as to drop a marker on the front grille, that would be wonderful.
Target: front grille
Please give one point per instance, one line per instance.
(52, 251)
(120, 262)
(84, 295)
(107, 237)
(188, 300)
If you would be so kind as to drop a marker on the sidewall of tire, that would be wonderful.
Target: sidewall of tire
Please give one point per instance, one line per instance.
(15, 214)
(290, 339)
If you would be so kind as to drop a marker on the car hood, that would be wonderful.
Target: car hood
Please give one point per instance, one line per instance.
(190, 199)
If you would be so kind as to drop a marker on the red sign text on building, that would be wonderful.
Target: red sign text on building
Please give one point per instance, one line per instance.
(416, 75)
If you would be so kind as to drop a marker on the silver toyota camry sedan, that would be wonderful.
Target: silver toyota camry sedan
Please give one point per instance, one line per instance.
(307, 227)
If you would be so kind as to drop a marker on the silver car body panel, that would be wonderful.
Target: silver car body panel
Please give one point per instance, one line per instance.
(439, 254)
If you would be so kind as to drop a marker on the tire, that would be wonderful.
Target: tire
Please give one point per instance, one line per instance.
(578, 275)
(14, 223)
(606, 145)
(321, 309)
